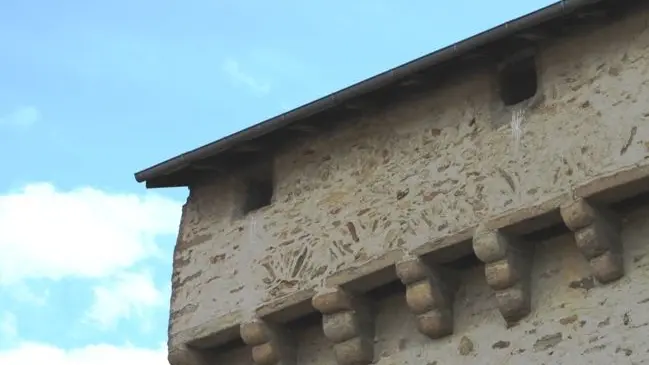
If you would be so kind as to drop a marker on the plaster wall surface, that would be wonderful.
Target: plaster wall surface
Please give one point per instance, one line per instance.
(574, 320)
(405, 174)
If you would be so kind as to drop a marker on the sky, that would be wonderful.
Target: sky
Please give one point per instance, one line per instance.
(91, 92)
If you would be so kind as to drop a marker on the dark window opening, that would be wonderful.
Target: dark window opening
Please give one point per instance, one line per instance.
(259, 193)
(518, 80)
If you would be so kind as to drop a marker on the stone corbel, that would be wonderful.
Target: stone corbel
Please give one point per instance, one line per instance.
(429, 296)
(347, 323)
(184, 355)
(508, 266)
(597, 235)
(271, 345)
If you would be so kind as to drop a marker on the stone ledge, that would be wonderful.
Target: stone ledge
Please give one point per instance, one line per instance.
(604, 189)
(287, 308)
(184, 355)
(615, 186)
(532, 218)
(447, 248)
(211, 333)
(367, 276)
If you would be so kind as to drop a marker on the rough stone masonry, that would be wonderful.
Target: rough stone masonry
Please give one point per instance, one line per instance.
(425, 232)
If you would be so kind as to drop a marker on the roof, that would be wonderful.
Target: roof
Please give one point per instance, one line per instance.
(245, 146)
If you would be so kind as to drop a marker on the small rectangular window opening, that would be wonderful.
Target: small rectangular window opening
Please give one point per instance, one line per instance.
(259, 193)
(518, 80)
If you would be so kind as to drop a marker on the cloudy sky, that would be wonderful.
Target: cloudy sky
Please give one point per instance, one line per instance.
(91, 92)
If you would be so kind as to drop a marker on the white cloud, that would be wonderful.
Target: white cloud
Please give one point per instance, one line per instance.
(49, 233)
(23, 116)
(23, 293)
(128, 296)
(46, 233)
(8, 327)
(25, 352)
(241, 78)
(35, 353)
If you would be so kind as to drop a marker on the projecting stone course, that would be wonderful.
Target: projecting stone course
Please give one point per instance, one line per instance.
(574, 319)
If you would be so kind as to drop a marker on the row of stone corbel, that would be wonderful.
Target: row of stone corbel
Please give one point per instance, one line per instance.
(347, 319)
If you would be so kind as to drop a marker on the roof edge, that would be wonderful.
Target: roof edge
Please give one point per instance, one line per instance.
(374, 83)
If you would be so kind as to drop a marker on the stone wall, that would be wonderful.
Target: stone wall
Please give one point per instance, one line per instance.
(401, 177)
(574, 319)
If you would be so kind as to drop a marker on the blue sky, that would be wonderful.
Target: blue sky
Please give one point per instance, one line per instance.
(91, 92)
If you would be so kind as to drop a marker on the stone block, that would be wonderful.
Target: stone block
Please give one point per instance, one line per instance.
(332, 301)
(428, 295)
(514, 302)
(436, 323)
(266, 354)
(341, 326)
(184, 355)
(356, 351)
(594, 240)
(508, 263)
(597, 236)
(608, 267)
(347, 323)
(411, 270)
(271, 344)
(577, 214)
(505, 273)
(421, 297)
(255, 333)
(490, 245)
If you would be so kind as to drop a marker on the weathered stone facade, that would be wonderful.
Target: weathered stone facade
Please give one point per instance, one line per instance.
(538, 191)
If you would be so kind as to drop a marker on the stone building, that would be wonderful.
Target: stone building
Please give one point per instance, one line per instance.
(484, 204)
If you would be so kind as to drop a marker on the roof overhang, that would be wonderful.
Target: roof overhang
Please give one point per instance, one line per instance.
(243, 147)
